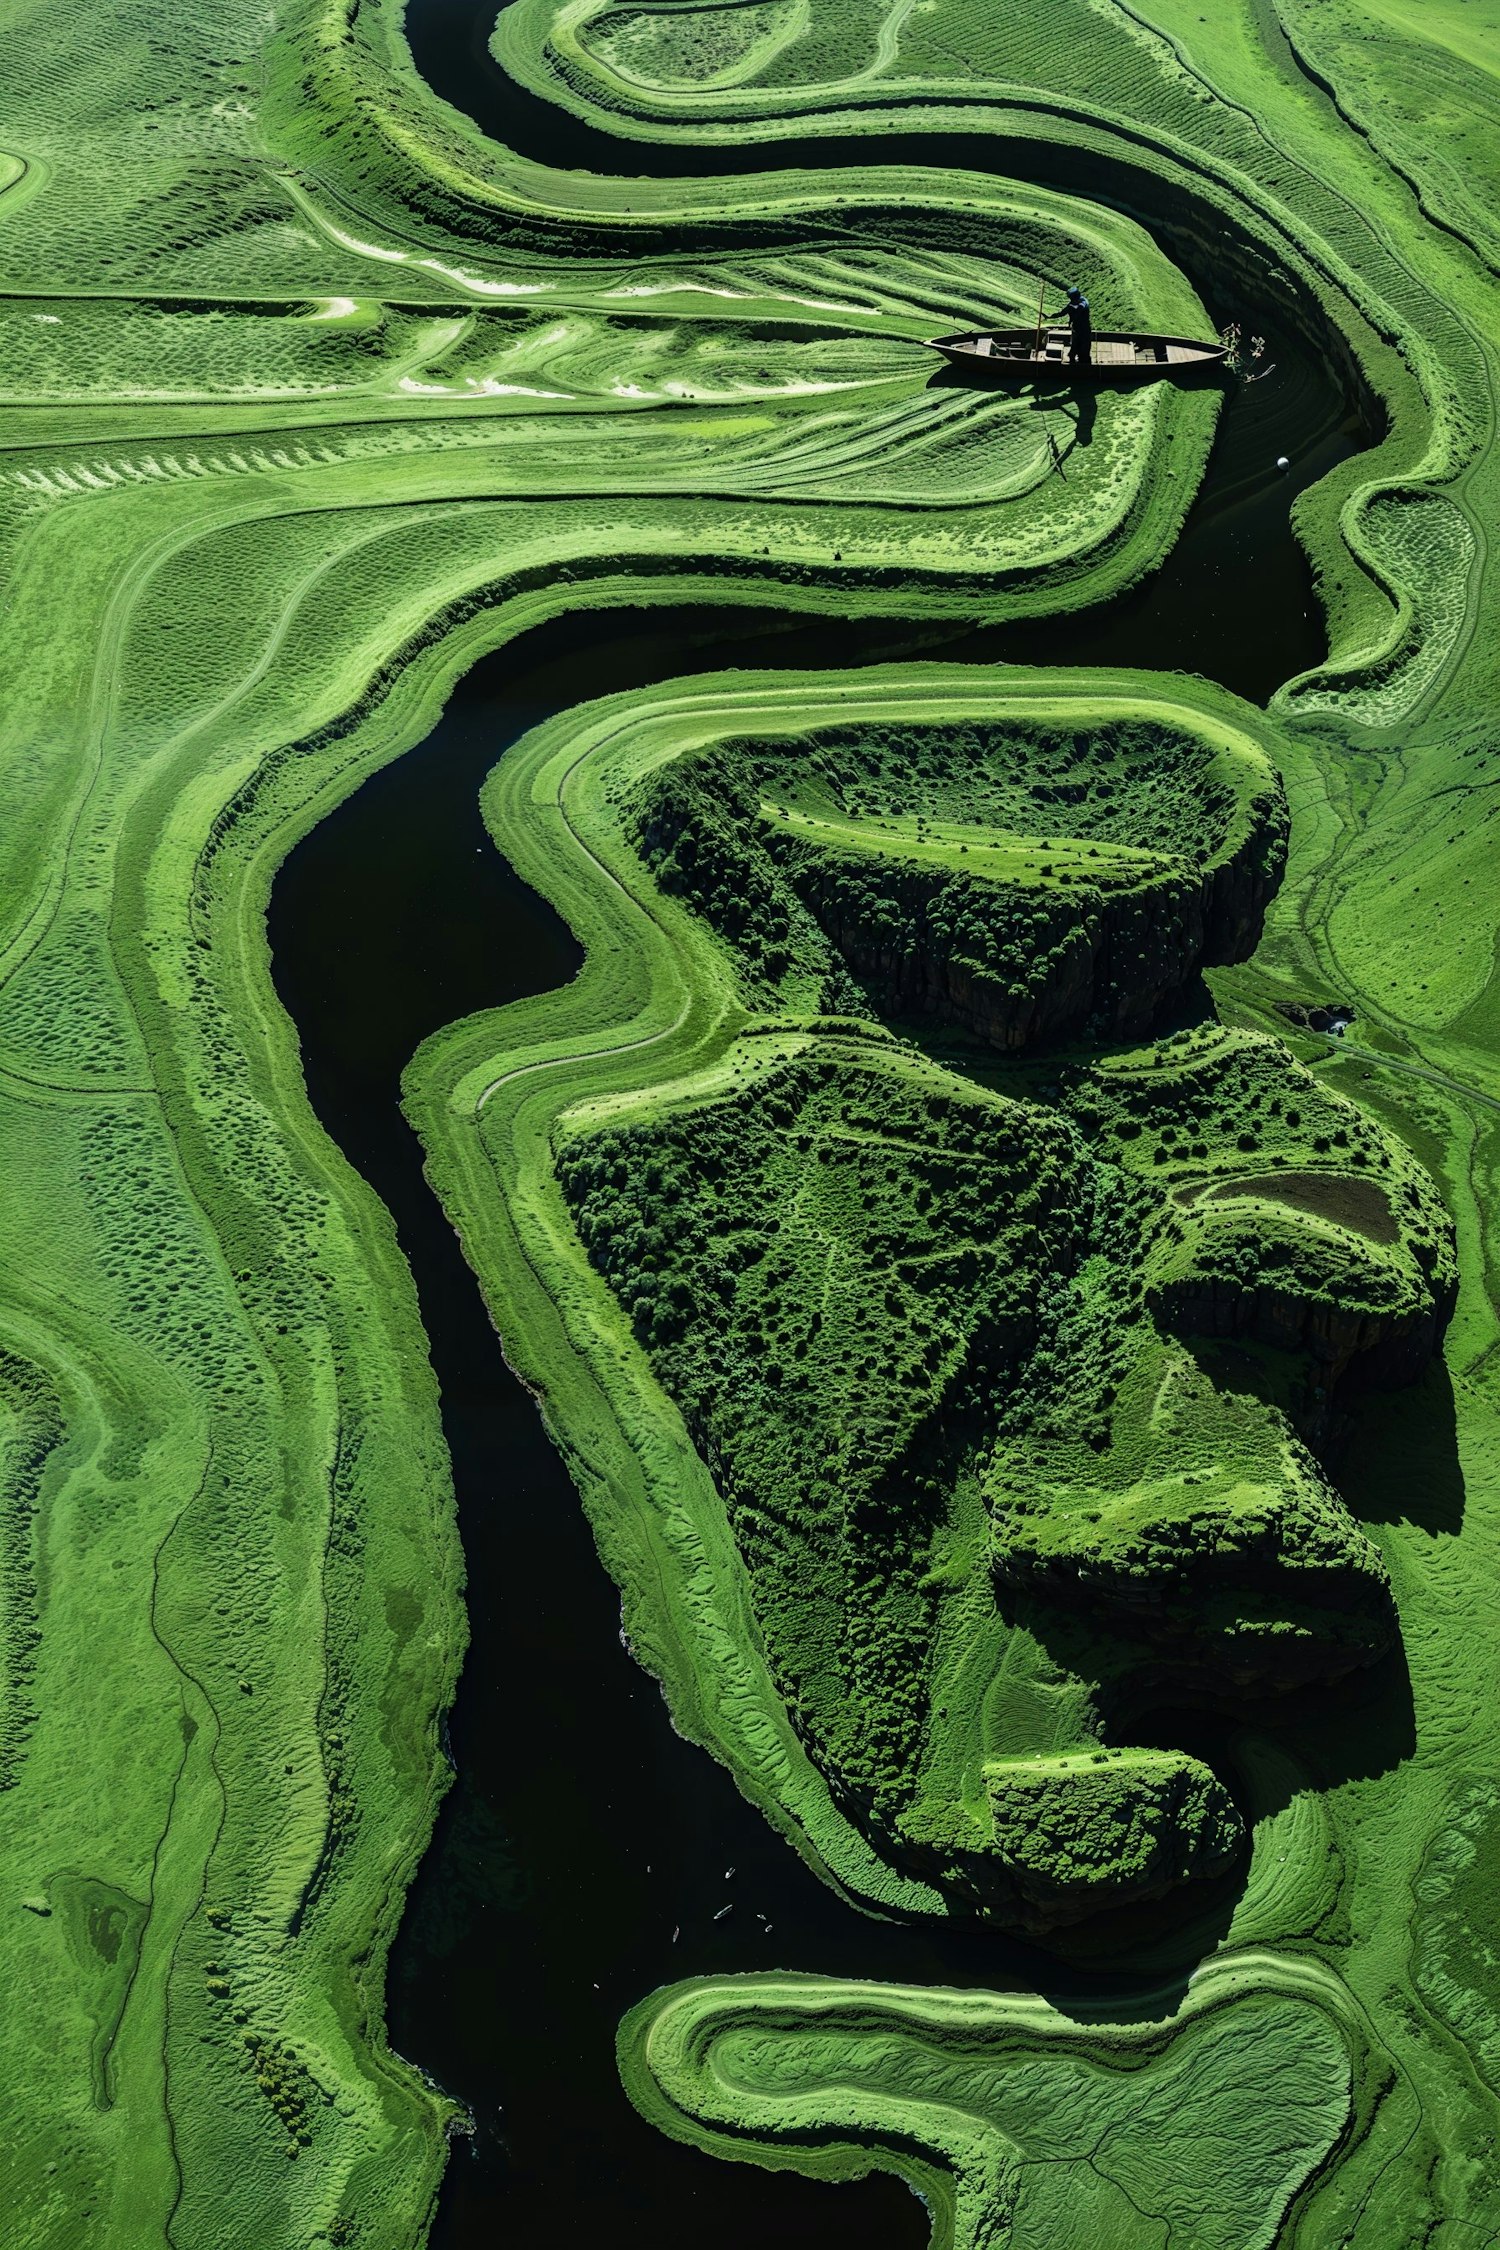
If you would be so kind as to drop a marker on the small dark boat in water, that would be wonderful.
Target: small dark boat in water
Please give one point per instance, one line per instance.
(1116, 357)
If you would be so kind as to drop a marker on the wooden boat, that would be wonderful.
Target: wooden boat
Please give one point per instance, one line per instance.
(1117, 357)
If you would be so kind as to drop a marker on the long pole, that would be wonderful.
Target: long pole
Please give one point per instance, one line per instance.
(1041, 298)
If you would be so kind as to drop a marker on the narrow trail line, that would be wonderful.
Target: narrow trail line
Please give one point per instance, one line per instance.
(1416, 1070)
(886, 45)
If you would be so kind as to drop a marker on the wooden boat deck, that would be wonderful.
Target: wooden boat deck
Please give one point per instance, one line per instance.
(1015, 350)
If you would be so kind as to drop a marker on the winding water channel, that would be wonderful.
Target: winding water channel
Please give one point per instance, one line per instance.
(581, 1856)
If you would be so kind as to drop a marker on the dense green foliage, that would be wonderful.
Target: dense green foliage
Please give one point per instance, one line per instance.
(922, 1332)
(312, 394)
(835, 1272)
(916, 864)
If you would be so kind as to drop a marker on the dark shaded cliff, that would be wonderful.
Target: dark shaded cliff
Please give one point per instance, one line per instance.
(1014, 966)
(1151, 879)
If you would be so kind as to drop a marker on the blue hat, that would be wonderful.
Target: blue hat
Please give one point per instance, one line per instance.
(1075, 292)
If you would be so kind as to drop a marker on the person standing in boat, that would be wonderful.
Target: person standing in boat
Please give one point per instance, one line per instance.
(1080, 327)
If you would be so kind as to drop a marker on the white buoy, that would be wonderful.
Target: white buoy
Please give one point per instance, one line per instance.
(1282, 463)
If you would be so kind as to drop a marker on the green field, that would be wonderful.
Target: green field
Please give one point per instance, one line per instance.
(973, 1309)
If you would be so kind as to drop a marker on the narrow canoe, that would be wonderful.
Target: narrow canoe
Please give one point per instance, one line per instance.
(1117, 357)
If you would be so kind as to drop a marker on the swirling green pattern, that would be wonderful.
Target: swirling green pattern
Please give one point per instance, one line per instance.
(313, 394)
(1017, 2122)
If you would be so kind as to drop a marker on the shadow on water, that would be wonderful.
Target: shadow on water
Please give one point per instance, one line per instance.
(449, 43)
(1399, 1460)
(581, 1856)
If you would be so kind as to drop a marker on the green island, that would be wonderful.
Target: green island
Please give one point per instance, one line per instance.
(1003, 1227)
(934, 1343)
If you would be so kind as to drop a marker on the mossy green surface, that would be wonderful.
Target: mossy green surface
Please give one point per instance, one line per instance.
(910, 869)
(312, 394)
(1016, 2121)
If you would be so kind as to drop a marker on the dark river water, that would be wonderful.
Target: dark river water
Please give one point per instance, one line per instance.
(581, 1857)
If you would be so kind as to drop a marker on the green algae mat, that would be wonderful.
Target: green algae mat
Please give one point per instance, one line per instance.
(1003, 1227)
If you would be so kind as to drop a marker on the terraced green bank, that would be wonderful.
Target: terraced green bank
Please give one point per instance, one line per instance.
(1013, 2120)
(311, 394)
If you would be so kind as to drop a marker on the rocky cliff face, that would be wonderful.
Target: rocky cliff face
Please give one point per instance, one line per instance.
(1014, 967)
(1351, 1346)
(1261, 1588)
